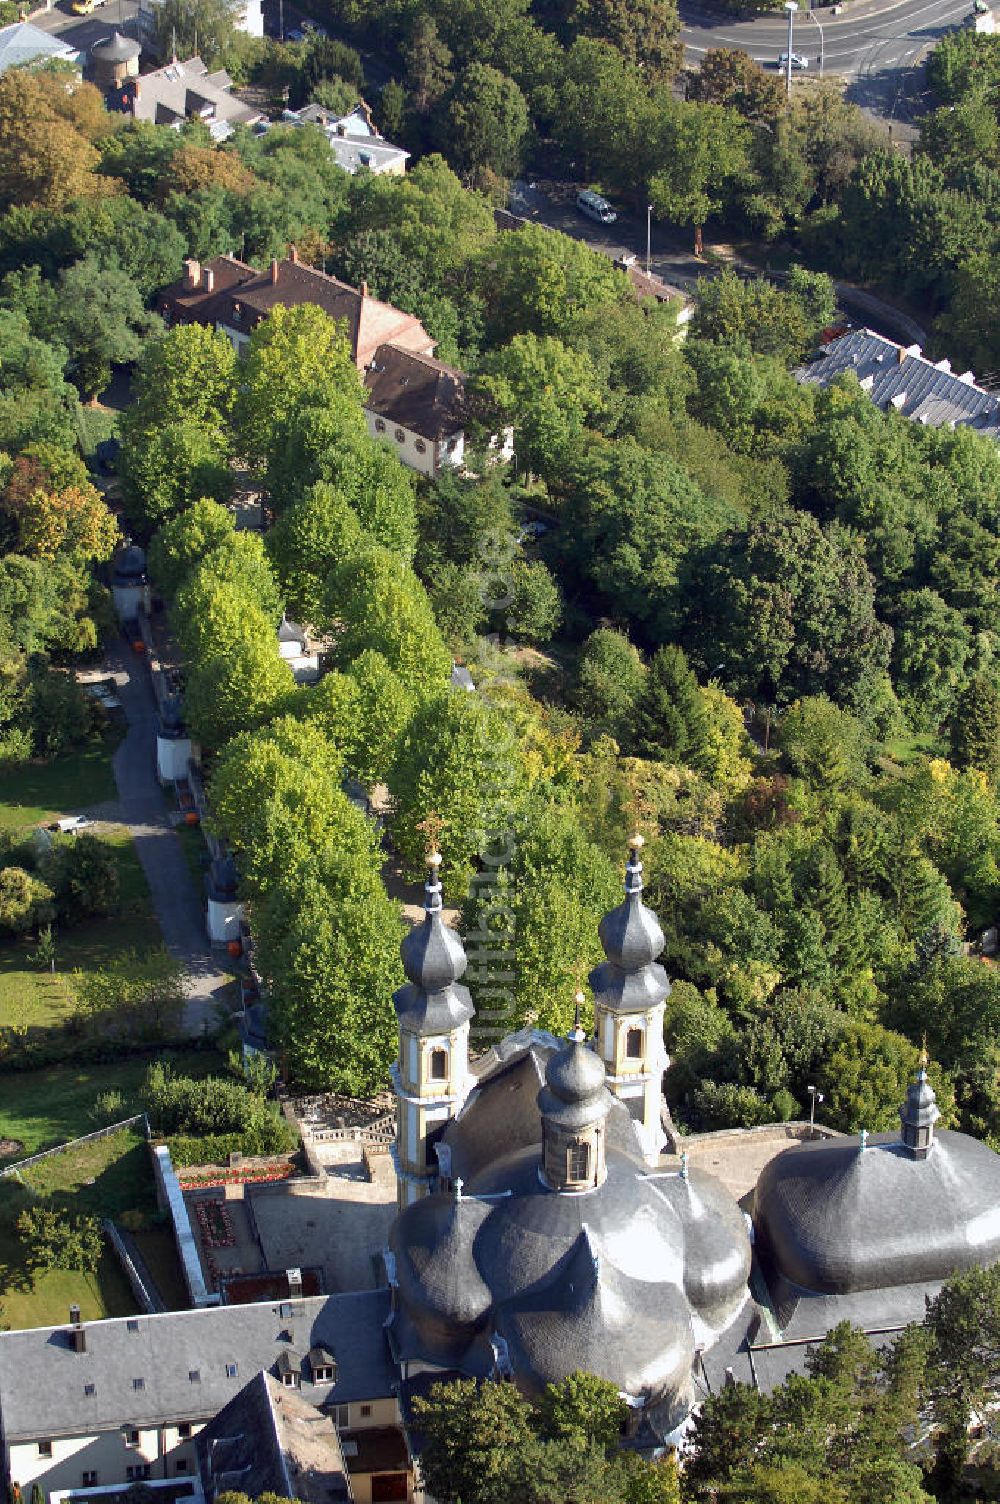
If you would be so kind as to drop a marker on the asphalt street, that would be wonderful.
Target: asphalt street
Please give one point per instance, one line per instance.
(82, 32)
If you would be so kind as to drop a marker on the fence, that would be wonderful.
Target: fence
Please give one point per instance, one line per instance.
(87, 1138)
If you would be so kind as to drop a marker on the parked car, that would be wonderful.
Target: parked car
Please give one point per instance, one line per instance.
(71, 824)
(595, 207)
(799, 60)
(86, 7)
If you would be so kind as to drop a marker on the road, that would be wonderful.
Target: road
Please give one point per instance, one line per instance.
(873, 44)
(673, 256)
(82, 32)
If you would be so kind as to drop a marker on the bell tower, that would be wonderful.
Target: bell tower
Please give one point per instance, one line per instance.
(630, 991)
(919, 1113)
(431, 1075)
(574, 1104)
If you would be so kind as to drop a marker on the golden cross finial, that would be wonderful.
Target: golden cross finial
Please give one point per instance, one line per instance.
(579, 1000)
(432, 826)
(924, 1057)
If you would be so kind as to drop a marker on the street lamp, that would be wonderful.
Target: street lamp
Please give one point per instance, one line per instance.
(814, 1096)
(791, 6)
(822, 49)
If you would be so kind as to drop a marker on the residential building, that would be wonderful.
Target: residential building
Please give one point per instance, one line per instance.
(902, 377)
(185, 91)
(23, 43)
(113, 60)
(124, 1400)
(414, 402)
(355, 143)
(234, 298)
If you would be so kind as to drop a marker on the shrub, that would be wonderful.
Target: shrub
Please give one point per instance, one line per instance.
(109, 1107)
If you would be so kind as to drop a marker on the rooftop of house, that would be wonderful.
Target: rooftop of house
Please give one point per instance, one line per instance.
(187, 90)
(417, 392)
(353, 138)
(186, 1365)
(269, 1439)
(226, 291)
(902, 377)
(24, 43)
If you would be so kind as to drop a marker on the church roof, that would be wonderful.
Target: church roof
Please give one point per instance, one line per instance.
(837, 1218)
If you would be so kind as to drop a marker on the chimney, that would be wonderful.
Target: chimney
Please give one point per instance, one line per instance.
(901, 356)
(192, 274)
(293, 255)
(364, 289)
(77, 1331)
(274, 271)
(208, 277)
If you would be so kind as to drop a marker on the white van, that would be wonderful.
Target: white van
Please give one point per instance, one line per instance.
(595, 207)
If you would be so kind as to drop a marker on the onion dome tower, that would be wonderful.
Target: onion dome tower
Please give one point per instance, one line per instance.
(919, 1113)
(574, 1104)
(431, 1077)
(630, 991)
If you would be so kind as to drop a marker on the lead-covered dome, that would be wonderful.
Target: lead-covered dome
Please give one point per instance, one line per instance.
(630, 980)
(434, 959)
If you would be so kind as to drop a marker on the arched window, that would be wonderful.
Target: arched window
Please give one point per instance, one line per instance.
(439, 1065)
(578, 1160)
(420, 446)
(400, 436)
(380, 425)
(633, 1044)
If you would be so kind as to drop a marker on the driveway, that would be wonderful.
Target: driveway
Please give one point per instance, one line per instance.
(141, 806)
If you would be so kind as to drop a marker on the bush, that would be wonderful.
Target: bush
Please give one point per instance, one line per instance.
(55, 1241)
(226, 1114)
(109, 1107)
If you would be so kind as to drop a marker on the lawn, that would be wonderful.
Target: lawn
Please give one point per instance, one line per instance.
(101, 1179)
(42, 1108)
(36, 793)
(33, 998)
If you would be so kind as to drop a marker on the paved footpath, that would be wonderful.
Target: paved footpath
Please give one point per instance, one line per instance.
(141, 806)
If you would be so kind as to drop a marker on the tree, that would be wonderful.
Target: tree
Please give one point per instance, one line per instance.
(314, 537)
(788, 607)
(610, 682)
(731, 78)
(25, 901)
(45, 158)
(190, 374)
(298, 372)
(823, 744)
(546, 391)
(183, 541)
(458, 755)
(701, 148)
(671, 721)
(239, 686)
(471, 1433)
(137, 997)
(427, 60)
(276, 798)
(488, 123)
(932, 647)
(975, 727)
(535, 608)
(165, 470)
(50, 519)
(382, 605)
(205, 27)
(645, 34)
(583, 1409)
(964, 1325)
(328, 946)
(770, 321)
(55, 1241)
(83, 873)
(866, 1077)
(538, 281)
(384, 707)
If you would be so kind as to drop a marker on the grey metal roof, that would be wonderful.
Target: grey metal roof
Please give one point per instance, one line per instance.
(837, 1218)
(902, 377)
(130, 566)
(574, 1094)
(23, 43)
(630, 980)
(116, 49)
(184, 1359)
(433, 1001)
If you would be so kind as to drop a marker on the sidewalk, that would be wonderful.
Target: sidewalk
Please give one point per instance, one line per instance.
(141, 807)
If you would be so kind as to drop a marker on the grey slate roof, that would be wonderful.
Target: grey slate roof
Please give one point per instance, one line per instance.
(271, 1440)
(23, 43)
(901, 377)
(630, 980)
(42, 1379)
(836, 1219)
(116, 49)
(433, 1000)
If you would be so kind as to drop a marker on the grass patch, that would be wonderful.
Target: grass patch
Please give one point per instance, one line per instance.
(917, 744)
(32, 998)
(101, 1179)
(36, 793)
(42, 1108)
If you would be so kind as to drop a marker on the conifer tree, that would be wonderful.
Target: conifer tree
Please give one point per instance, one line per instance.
(671, 721)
